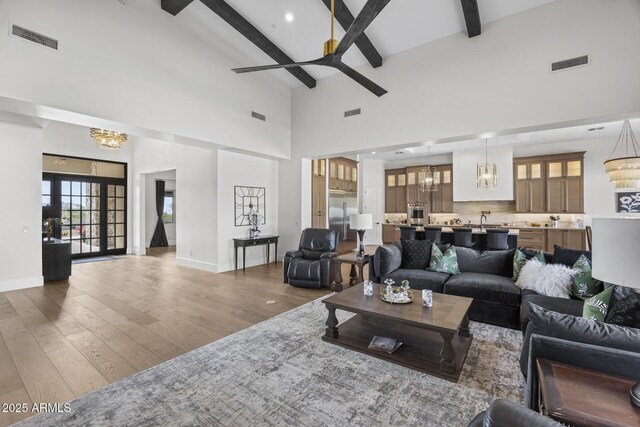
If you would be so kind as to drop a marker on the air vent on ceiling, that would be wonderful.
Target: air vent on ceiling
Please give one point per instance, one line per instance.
(578, 61)
(258, 116)
(32, 36)
(352, 112)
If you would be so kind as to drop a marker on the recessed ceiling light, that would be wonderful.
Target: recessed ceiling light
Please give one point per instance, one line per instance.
(373, 152)
(288, 17)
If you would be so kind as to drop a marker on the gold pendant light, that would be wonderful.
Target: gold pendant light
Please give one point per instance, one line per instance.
(624, 170)
(108, 139)
(427, 177)
(487, 174)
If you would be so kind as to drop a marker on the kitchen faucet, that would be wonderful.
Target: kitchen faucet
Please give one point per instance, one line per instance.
(483, 216)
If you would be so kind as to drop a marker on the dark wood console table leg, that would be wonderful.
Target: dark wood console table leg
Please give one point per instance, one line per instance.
(447, 355)
(353, 275)
(236, 257)
(244, 257)
(268, 248)
(463, 331)
(338, 280)
(332, 323)
(275, 257)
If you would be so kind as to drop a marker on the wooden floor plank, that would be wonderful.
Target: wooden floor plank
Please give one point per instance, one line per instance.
(10, 380)
(16, 397)
(40, 377)
(6, 309)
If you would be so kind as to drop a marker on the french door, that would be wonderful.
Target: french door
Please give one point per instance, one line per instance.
(93, 213)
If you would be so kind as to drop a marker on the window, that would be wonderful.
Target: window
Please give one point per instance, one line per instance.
(168, 212)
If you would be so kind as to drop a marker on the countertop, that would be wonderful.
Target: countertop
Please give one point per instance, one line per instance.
(562, 226)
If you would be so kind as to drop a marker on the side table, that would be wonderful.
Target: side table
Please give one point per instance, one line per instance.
(581, 397)
(354, 277)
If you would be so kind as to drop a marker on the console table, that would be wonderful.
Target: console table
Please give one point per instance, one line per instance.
(244, 242)
(56, 259)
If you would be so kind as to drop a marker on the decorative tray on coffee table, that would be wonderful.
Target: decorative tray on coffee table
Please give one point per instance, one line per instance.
(396, 296)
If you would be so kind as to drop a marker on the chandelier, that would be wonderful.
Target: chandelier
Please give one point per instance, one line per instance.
(487, 176)
(108, 139)
(624, 170)
(427, 177)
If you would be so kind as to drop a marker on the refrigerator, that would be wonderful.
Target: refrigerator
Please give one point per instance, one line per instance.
(341, 205)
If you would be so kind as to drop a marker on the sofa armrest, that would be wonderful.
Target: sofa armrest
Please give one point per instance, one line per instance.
(294, 254)
(387, 259)
(607, 360)
(328, 255)
(504, 412)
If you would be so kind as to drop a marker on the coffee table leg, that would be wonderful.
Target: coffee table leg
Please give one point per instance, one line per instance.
(338, 287)
(447, 355)
(332, 323)
(463, 331)
(353, 275)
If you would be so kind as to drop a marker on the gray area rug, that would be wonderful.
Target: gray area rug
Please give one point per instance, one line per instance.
(279, 372)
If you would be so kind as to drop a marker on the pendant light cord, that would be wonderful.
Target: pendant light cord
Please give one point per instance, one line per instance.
(628, 138)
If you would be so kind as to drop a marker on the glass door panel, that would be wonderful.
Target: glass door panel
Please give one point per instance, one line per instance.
(116, 230)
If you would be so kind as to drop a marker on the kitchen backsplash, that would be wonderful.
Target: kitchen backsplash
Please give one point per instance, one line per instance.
(515, 219)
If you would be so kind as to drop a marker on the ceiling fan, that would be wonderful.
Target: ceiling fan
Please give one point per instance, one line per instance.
(334, 49)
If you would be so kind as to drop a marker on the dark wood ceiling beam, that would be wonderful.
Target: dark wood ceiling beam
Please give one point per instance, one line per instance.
(345, 18)
(244, 27)
(471, 17)
(174, 7)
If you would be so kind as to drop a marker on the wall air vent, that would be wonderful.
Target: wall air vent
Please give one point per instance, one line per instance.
(258, 116)
(579, 61)
(32, 36)
(352, 112)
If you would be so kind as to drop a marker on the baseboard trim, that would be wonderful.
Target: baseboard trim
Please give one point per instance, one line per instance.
(24, 283)
(200, 265)
(139, 251)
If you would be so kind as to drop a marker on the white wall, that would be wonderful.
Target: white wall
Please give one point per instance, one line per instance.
(465, 165)
(21, 213)
(238, 169)
(196, 192)
(137, 65)
(497, 81)
(151, 216)
(371, 193)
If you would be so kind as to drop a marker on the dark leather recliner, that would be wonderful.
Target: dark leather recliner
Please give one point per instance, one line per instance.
(311, 265)
(504, 412)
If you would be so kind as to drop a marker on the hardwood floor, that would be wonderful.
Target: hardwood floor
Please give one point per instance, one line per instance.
(112, 319)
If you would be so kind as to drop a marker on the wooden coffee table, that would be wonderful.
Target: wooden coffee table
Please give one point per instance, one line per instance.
(435, 339)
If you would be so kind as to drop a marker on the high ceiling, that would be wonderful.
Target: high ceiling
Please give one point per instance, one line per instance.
(402, 25)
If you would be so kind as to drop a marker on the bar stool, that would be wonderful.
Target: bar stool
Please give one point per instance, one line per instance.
(433, 233)
(497, 239)
(462, 237)
(407, 233)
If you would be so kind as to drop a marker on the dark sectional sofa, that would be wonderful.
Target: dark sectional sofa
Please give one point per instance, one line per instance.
(484, 276)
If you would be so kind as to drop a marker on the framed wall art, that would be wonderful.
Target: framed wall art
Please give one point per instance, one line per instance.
(628, 202)
(249, 200)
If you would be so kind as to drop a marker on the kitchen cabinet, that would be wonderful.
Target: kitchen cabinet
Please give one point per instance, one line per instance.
(530, 186)
(565, 184)
(390, 233)
(319, 167)
(414, 193)
(532, 239)
(395, 200)
(341, 172)
(571, 239)
(442, 198)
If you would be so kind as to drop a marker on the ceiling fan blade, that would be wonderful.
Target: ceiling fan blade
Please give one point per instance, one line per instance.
(371, 86)
(368, 13)
(319, 61)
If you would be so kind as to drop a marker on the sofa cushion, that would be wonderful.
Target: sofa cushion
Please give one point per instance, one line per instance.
(597, 307)
(416, 254)
(625, 312)
(387, 259)
(420, 279)
(446, 262)
(488, 262)
(559, 305)
(584, 285)
(577, 329)
(484, 287)
(304, 269)
(568, 257)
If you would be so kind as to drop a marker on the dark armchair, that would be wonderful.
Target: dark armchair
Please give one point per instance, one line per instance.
(507, 413)
(311, 265)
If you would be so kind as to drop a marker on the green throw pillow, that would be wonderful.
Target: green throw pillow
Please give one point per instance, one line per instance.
(596, 307)
(584, 286)
(519, 260)
(444, 263)
(540, 257)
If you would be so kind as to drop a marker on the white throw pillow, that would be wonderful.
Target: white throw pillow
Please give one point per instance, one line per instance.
(553, 280)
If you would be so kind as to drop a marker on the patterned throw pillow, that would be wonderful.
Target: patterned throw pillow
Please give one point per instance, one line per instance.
(540, 257)
(596, 307)
(584, 286)
(519, 260)
(625, 312)
(444, 263)
(416, 254)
